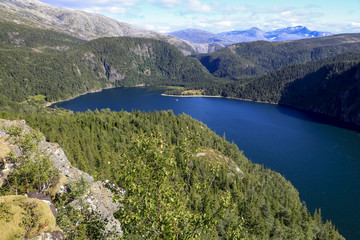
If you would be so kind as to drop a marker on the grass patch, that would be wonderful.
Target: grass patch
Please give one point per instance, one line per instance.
(24, 217)
(216, 157)
(192, 92)
(60, 181)
(4, 149)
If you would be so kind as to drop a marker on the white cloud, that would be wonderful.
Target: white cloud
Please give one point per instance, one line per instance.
(214, 15)
(224, 23)
(355, 24)
(232, 10)
(166, 3)
(91, 5)
(197, 6)
(112, 10)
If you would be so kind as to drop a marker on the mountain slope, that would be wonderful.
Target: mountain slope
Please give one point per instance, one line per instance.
(253, 34)
(256, 58)
(330, 86)
(250, 35)
(83, 25)
(203, 185)
(294, 33)
(200, 36)
(44, 62)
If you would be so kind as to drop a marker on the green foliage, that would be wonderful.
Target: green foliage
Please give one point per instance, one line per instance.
(76, 190)
(158, 194)
(59, 67)
(169, 192)
(123, 147)
(5, 212)
(329, 86)
(37, 100)
(81, 224)
(25, 217)
(251, 59)
(30, 218)
(34, 171)
(18, 35)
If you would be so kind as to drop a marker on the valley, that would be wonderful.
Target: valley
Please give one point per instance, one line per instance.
(171, 175)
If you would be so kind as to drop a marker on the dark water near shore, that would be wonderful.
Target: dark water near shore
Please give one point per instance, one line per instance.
(321, 160)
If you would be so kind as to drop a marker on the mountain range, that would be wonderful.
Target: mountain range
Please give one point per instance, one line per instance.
(89, 26)
(253, 34)
(86, 25)
(50, 54)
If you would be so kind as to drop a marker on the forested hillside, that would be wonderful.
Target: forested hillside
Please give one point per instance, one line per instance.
(56, 66)
(251, 59)
(181, 179)
(329, 86)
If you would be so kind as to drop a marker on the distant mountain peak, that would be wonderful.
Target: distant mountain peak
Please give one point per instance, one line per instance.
(200, 36)
(255, 28)
(252, 34)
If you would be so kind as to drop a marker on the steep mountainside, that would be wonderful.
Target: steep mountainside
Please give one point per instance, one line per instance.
(330, 86)
(256, 58)
(181, 180)
(57, 66)
(84, 25)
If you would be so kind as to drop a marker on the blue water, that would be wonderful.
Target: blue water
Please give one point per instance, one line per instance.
(321, 160)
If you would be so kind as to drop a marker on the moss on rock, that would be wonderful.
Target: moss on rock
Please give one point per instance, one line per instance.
(23, 217)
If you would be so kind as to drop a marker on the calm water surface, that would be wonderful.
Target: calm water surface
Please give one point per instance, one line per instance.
(322, 161)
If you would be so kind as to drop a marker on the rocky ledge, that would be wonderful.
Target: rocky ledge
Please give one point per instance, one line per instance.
(98, 197)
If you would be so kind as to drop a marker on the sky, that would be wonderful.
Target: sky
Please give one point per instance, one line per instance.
(226, 15)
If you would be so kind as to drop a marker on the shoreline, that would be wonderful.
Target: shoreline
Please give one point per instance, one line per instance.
(163, 94)
(81, 94)
(218, 96)
(91, 91)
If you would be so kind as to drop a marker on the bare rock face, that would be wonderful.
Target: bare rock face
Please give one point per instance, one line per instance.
(81, 24)
(98, 197)
(206, 47)
(49, 235)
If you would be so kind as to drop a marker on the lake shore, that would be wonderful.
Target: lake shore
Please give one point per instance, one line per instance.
(81, 94)
(163, 94)
(218, 96)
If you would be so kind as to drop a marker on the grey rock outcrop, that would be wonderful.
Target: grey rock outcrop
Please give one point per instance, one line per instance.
(98, 198)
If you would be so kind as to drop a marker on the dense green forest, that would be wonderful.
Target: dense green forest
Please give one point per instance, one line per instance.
(206, 187)
(243, 60)
(58, 66)
(182, 181)
(329, 86)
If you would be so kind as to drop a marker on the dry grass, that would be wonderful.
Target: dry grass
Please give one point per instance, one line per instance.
(192, 92)
(4, 148)
(60, 181)
(11, 219)
(216, 157)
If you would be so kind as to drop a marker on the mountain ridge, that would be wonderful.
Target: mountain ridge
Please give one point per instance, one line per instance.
(249, 35)
(85, 25)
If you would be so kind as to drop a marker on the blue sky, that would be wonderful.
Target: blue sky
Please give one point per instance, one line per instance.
(226, 15)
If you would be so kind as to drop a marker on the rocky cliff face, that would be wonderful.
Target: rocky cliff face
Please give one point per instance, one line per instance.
(81, 24)
(98, 197)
